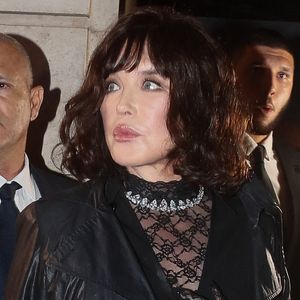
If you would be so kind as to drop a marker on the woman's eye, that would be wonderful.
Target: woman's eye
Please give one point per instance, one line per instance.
(151, 85)
(111, 87)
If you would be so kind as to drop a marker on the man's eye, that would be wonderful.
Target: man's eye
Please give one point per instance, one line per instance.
(3, 85)
(112, 87)
(151, 85)
(282, 75)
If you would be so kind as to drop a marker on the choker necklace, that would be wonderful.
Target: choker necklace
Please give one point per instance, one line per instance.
(163, 205)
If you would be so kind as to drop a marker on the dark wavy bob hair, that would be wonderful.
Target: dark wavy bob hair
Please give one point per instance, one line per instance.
(205, 119)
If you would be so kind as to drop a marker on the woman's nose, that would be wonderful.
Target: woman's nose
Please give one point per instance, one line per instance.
(125, 104)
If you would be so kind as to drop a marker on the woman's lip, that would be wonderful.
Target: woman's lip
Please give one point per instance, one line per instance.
(123, 133)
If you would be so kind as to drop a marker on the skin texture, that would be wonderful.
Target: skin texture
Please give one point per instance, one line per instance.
(265, 75)
(134, 117)
(19, 104)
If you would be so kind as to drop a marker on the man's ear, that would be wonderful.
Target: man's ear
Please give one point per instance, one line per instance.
(36, 99)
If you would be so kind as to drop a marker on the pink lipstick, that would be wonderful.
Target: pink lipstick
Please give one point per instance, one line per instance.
(123, 133)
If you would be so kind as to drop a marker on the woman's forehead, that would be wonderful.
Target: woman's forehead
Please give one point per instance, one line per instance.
(134, 58)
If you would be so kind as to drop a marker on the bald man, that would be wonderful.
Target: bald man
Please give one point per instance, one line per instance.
(20, 182)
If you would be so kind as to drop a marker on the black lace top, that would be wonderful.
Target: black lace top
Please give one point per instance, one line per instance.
(178, 236)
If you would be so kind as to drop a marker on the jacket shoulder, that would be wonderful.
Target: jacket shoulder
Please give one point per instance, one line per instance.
(50, 182)
(63, 213)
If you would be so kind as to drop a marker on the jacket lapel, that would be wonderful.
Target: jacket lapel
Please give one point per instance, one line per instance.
(290, 160)
(223, 261)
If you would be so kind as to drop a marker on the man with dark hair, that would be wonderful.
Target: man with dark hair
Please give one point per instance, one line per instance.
(264, 65)
(20, 182)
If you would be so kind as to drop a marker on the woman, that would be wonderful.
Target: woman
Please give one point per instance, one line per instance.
(156, 127)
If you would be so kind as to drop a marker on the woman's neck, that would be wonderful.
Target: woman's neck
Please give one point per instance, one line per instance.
(154, 174)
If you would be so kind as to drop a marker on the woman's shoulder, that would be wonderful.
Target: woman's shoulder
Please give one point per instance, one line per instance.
(59, 203)
(92, 194)
(71, 207)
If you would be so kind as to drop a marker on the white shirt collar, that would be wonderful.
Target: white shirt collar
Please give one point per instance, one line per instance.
(23, 179)
(250, 144)
(268, 144)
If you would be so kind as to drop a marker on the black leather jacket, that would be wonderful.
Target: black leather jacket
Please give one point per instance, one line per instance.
(86, 243)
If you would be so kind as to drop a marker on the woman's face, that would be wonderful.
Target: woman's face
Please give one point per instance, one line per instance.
(134, 113)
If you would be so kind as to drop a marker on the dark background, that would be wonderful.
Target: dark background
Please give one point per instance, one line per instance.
(282, 16)
(283, 10)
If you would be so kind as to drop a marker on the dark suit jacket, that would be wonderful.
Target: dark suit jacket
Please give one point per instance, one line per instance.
(50, 182)
(86, 243)
(290, 160)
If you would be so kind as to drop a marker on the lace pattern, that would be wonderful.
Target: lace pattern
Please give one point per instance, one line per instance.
(178, 238)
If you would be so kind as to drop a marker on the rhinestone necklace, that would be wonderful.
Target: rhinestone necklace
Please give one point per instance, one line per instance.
(163, 205)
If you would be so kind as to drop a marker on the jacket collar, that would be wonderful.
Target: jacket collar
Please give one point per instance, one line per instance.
(229, 246)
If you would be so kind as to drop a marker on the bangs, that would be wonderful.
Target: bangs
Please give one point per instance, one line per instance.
(124, 55)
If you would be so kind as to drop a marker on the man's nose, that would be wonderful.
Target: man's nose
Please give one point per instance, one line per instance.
(268, 85)
(273, 86)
